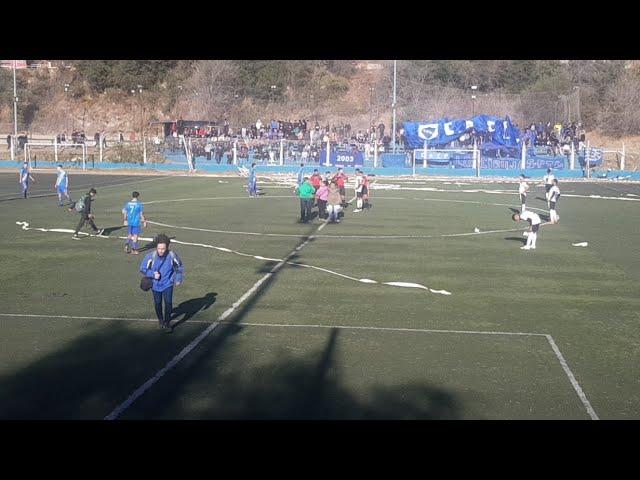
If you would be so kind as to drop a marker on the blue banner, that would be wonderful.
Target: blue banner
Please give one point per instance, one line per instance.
(343, 158)
(444, 131)
(442, 159)
(510, 163)
(595, 156)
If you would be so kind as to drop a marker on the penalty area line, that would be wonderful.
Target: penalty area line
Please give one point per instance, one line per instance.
(563, 363)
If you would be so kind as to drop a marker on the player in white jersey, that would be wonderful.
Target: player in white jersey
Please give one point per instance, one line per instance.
(534, 225)
(62, 185)
(548, 183)
(359, 187)
(523, 188)
(554, 196)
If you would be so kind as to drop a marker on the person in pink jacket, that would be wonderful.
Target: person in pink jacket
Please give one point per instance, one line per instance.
(322, 194)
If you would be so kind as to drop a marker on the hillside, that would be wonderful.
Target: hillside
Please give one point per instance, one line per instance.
(329, 92)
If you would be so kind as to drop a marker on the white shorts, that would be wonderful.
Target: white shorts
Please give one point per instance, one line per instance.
(334, 208)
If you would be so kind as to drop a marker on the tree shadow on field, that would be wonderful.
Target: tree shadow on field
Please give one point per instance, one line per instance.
(311, 387)
(89, 376)
(191, 307)
(109, 230)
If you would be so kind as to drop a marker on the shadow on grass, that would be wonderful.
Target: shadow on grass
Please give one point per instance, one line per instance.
(312, 387)
(90, 376)
(191, 307)
(95, 372)
(109, 230)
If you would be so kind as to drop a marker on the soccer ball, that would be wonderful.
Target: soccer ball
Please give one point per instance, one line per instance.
(476, 230)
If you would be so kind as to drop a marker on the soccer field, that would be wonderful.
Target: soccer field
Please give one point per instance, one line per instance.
(399, 312)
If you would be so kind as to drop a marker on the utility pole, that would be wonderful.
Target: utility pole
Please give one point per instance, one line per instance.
(15, 102)
(393, 105)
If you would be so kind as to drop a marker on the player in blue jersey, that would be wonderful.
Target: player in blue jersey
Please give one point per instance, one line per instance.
(133, 217)
(62, 185)
(252, 184)
(23, 177)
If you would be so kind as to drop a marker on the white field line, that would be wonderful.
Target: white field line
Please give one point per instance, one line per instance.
(377, 198)
(334, 236)
(554, 347)
(216, 198)
(25, 226)
(76, 187)
(572, 379)
(194, 343)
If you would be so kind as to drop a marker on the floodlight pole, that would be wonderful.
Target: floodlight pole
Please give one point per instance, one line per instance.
(395, 63)
(15, 102)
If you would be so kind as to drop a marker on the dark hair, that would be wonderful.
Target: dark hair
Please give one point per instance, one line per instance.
(162, 238)
(326, 183)
(135, 194)
(555, 180)
(60, 166)
(513, 217)
(93, 190)
(548, 170)
(253, 164)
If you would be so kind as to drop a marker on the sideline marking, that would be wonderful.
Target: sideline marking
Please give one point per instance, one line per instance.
(572, 379)
(194, 343)
(25, 226)
(76, 187)
(574, 383)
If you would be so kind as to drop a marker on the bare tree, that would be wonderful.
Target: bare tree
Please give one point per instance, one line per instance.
(210, 89)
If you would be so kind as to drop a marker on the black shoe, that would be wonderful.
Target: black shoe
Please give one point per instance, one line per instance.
(100, 232)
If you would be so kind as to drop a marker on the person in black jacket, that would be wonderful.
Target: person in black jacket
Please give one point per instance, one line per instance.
(85, 214)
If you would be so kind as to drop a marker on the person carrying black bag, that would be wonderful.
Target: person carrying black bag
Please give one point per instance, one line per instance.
(162, 270)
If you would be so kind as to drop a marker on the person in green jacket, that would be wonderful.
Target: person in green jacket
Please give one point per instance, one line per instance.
(306, 192)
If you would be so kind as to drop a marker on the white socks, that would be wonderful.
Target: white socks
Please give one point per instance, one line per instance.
(531, 239)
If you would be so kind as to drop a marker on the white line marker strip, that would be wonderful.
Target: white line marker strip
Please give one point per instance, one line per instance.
(554, 347)
(218, 198)
(80, 186)
(484, 232)
(185, 351)
(284, 325)
(572, 379)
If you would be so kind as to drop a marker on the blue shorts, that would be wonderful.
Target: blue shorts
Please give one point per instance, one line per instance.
(62, 189)
(137, 230)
